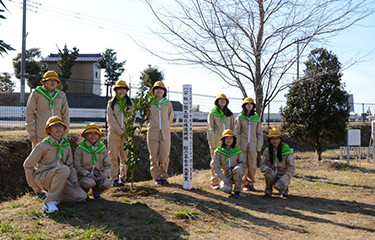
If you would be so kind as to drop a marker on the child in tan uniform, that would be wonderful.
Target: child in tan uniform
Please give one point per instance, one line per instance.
(50, 167)
(228, 164)
(159, 135)
(277, 164)
(219, 119)
(250, 140)
(116, 135)
(92, 161)
(46, 101)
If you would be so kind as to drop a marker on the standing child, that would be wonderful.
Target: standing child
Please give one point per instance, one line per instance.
(250, 140)
(92, 161)
(228, 163)
(159, 135)
(116, 135)
(50, 167)
(277, 164)
(46, 101)
(219, 119)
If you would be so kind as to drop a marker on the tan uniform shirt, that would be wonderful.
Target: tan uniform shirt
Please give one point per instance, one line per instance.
(222, 167)
(215, 128)
(43, 158)
(242, 133)
(115, 119)
(285, 168)
(83, 162)
(38, 112)
(160, 120)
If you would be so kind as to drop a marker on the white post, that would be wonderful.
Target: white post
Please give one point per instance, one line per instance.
(187, 136)
(354, 139)
(348, 150)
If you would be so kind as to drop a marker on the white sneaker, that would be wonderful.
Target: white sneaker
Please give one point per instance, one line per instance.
(50, 207)
(57, 202)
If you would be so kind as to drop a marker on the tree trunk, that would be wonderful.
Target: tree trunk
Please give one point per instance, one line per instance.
(318, 149)
(258, 88)
(132, 184)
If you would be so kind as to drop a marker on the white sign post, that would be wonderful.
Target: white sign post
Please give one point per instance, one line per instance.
(187, 136)
(354, 139)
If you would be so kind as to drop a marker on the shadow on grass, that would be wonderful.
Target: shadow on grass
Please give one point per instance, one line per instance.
(220, 207)
(132, 221)
(344, 167)
(324, 180)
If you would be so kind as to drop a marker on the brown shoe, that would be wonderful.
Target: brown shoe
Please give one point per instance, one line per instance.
(267, 195)
(252, 188)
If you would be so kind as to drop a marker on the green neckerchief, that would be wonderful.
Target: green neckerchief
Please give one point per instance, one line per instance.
(285, 150)
(121, 100)
(64, 143)
(47, 95)
(83, 145)
(254, 118)
(155, 102)
(235, 151)
(216, 111)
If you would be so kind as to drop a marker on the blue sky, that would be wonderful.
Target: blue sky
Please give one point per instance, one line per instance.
(95, 25)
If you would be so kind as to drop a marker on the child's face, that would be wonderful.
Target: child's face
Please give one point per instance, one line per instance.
(249, 106)
(51, 85)
(121, 91)
(56, 130)
(228, 141)
(222, 102)
(159, 92)
(275, 141)
(92, 137)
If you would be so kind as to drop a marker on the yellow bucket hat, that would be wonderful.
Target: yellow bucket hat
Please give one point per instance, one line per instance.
(121, 84)
(273, 133)
(92, 127)
(248, 100)
(50, 75)
(52, 121)
(227, 133)
(159, 84)
(222, 96)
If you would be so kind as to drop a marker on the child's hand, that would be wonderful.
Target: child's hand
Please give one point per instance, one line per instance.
(268, 171)
(75, 184)
(100, 178)
(33, 139)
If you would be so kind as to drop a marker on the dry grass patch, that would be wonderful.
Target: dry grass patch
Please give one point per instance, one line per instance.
(328, 200)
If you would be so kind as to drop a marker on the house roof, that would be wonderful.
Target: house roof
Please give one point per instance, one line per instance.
(96, 57)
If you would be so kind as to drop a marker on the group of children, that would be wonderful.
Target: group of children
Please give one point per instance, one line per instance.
(56, 175)
(235, 145)
(52, 168)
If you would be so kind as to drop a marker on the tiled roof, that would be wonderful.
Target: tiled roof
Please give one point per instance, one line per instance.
(81, 58)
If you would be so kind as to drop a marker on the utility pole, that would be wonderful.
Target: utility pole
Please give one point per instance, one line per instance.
(23, 62)
(297, 59)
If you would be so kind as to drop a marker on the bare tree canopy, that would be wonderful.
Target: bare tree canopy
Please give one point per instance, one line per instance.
(251, 43)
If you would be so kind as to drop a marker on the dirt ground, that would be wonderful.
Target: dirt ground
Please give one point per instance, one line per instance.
(328, 200)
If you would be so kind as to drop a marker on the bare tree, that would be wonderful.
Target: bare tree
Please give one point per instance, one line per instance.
(251, 42)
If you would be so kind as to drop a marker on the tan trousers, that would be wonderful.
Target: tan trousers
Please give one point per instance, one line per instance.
(214, 178)
(236, 177)
(97, 187)
(117, 153)
(274, 181)
(159, 156)
(58, 187)
(251, 167)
